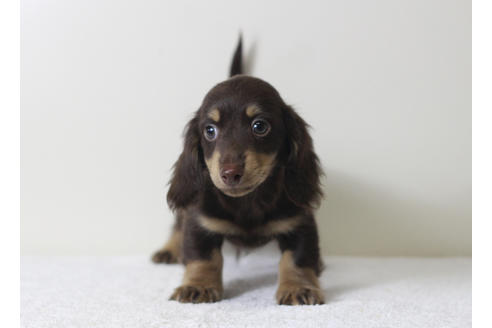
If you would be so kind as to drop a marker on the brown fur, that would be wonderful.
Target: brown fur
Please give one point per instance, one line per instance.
(252, 110)
(214, 114)
(257, 168)
(202, 282)
(245, 133)
(289, 138)
(171, 251)
(297, 285)
(268, 229)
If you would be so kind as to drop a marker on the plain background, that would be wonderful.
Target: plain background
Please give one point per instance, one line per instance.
(107, 87)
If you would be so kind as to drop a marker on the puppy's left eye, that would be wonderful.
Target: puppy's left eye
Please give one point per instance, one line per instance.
(260, 127)
(210, 132)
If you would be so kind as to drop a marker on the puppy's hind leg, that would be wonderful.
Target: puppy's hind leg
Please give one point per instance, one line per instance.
(171, 251)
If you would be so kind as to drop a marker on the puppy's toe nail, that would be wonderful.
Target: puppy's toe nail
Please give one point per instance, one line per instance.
(300, 296)
(195, 294)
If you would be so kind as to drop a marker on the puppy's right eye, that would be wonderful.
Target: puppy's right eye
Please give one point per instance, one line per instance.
(210, 132)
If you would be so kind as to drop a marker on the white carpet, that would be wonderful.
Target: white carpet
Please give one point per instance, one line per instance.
(133, 292)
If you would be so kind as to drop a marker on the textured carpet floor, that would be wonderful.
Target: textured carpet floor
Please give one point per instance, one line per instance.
(133, 292)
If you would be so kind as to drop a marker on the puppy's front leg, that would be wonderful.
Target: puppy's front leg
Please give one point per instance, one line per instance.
(300, 266)
(202, 281)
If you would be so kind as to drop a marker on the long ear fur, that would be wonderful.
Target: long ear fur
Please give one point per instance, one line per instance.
(302, 172)
(187, 177)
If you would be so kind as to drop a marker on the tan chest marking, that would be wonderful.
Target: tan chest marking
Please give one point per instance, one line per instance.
(269, 229)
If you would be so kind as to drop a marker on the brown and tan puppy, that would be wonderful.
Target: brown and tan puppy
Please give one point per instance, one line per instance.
(247, 174)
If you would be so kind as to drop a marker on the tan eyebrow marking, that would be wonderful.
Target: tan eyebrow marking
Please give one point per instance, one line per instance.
(252, 110)
(214, 114)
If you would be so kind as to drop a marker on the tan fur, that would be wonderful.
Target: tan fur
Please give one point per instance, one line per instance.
(252, 110)
(214, 114)
(280, 226)
(213, 166)
(269, 229)
(171, 251)
(257, 168)
(296, 148)
(220, 226)
(207, 273)
(202, 282)
(297, 285)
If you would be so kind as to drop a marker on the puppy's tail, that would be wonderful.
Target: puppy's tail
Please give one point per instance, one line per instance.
(237, 59)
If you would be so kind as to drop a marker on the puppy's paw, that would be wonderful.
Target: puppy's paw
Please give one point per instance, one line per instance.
(293, 295)
(196, 294)
(164, 256)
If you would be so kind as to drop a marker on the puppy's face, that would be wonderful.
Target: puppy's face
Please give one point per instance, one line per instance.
(242, 132)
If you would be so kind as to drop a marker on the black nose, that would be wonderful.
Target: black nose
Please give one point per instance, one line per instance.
(231, 174)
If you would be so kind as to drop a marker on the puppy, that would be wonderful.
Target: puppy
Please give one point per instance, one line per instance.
(248, 174)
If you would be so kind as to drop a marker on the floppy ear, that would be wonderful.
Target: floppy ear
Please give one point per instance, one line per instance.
(187, 177)
(302, 172)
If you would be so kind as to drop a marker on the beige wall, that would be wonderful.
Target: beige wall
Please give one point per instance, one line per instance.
(107, 87)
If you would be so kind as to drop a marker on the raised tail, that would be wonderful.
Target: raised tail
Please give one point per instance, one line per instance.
(237, 59)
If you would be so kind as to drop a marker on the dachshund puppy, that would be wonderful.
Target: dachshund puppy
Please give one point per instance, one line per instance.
(247, 174)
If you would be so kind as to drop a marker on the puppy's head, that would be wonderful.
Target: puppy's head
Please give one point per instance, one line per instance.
(242, 132)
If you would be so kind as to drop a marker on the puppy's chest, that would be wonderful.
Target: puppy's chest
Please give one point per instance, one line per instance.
(248, 230)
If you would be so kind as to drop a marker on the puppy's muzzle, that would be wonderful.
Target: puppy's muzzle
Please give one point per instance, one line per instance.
(231, 174)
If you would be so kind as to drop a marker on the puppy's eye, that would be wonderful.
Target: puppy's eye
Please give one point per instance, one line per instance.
(210, 132)
(260, 127)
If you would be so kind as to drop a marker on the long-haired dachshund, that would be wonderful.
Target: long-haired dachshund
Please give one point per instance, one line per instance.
(248, 174)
